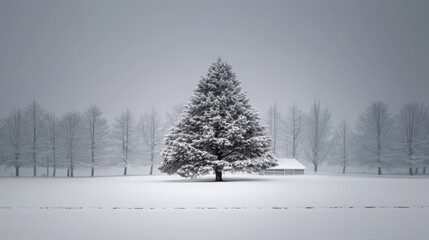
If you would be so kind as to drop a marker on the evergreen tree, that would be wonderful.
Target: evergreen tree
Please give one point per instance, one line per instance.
(218, 131)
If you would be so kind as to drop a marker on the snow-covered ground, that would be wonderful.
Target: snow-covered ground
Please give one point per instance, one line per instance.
(215, 224)
(242, 207)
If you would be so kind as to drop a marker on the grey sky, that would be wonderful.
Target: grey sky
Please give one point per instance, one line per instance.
(138, 54)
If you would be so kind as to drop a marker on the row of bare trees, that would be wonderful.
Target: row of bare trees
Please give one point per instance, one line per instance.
(285, 132)
(379, 140)
(35, 138)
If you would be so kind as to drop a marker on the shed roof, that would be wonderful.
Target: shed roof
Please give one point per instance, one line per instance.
(288, 163)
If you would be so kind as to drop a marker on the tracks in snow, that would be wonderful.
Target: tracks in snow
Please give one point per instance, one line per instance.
(213, 208)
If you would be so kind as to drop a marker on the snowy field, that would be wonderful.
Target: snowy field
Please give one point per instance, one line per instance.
(242, 207)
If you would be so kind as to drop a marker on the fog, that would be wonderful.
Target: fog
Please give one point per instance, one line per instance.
(138, 54)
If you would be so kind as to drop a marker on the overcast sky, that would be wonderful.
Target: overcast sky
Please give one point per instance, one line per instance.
(139, 54)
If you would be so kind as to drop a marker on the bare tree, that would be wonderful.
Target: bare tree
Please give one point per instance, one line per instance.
(274, 120)
(284, 140)
(97, 131)
(52, 140)
(343, 145)
(14, 127)
(124, 132)
(426, 155)
(152, 132)
(412, 122)
(375, 135)
(36, 120)
(174, 114)
(3, 142)
(293, 127)
(426, 148)
(70, 124)
(317, 136)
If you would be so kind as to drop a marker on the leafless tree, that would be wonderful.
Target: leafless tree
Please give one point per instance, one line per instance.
(124, 134)
(174, 114)
(412, 121)
(97, 132)
(71, 126)
(317, 136)
(14, 127)
(343, 145)
(52, 140)
(36, 122)
(152, 132)
(274, 128)
(426, 155)
(293, 127)
(3, 142)
(375, 135)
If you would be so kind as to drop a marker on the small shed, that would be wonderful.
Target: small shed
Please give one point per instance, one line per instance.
(287, 166)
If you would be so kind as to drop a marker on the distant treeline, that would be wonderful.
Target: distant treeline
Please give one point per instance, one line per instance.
(33, 137)
(380, 139)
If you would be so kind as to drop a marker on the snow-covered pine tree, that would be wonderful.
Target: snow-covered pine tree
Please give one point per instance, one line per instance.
(218, 131)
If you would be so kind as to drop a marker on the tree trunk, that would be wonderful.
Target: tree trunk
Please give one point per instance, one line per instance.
(17, 171)
(47, 171)
(315, 167)
(410, 171)
(379, 170)
(71, 171)
(424, 170)
(218, 175)
(55, 165)
(344, 169)
(152, 155)
(68, 172)
(125, 171)
(92, 158)
(34, 141)
(416, 171)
